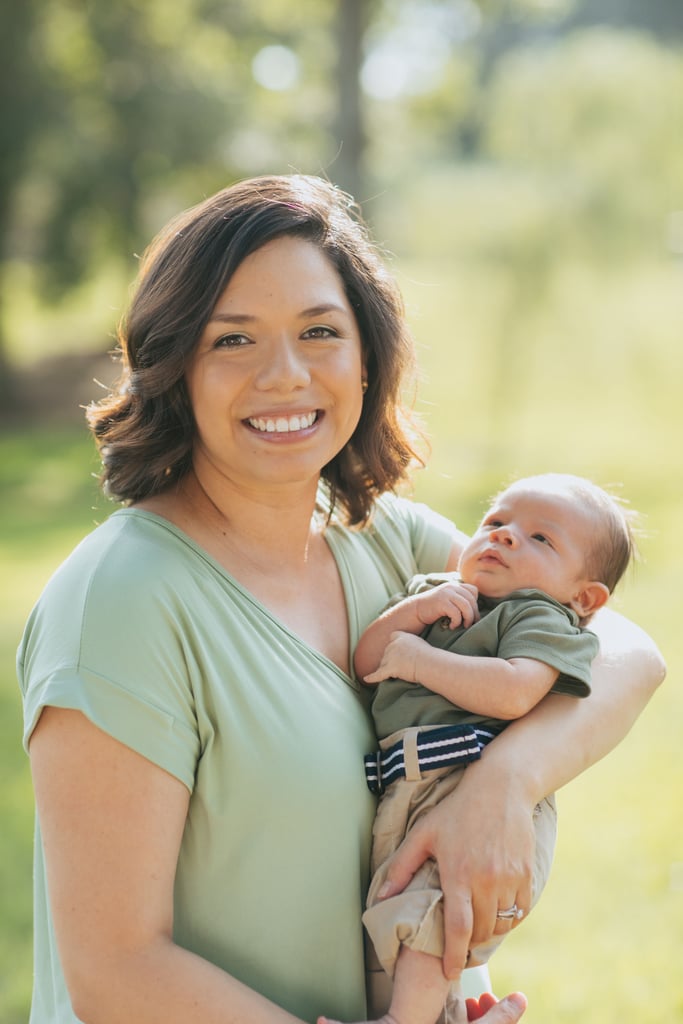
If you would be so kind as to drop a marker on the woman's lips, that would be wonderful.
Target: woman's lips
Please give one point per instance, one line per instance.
(281, 424)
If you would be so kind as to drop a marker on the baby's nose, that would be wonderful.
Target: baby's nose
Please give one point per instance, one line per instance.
(505, 535)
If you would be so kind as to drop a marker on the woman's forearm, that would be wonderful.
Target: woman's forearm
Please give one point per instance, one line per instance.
(164, 983)
(561, 736)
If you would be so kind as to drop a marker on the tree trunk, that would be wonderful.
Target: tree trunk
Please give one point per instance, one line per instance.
(348, 169)
(9, 399)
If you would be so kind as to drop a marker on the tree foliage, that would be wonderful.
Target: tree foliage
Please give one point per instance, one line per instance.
(120, 113)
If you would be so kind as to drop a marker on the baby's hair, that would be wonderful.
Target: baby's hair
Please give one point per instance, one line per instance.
(613, 545)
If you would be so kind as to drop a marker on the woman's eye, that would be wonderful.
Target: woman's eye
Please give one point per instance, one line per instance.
(231, 341)
(320, 332)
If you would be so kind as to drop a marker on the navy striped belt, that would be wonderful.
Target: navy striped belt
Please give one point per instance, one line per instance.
(446, 746)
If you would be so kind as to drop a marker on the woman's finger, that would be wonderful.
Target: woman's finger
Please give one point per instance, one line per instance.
(458, 917)
(511, 913)
(411, 854)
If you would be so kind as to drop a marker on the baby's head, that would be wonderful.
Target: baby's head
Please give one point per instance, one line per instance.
(557, 533)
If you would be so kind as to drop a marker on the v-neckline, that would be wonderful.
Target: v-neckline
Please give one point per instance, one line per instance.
(337, 555)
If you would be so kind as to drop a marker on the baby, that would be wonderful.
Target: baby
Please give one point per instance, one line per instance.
(453, 661)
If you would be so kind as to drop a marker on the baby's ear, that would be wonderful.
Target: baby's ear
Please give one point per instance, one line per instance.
(589, 598)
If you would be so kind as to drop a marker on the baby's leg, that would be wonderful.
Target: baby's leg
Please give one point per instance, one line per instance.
(419, 993)
(420, 988)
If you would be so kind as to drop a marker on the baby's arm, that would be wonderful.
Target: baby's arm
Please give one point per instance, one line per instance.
(494, 687)
(455, 601)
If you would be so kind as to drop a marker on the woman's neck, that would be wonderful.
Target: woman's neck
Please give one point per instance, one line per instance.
(264, 528)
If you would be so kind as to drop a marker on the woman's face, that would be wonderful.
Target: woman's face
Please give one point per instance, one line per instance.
(275, 380)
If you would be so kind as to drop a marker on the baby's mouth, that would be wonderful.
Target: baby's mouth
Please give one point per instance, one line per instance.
(490, 555)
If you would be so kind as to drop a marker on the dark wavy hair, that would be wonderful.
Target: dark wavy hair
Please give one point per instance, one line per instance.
(145, 429)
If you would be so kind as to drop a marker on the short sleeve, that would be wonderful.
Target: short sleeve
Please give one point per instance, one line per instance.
(104, 639)
(542, 630)
(148, 729)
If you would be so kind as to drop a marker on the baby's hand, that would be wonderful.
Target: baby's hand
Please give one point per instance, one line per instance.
(456, 602)
(399, 660)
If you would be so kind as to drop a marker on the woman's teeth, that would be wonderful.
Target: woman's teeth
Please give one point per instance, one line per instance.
(283, 424)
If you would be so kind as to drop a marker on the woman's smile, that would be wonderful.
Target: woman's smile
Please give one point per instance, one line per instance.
(284, 423)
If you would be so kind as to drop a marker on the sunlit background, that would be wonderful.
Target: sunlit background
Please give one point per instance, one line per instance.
(521, 161)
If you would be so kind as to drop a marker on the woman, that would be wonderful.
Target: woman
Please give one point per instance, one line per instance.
(195, 735)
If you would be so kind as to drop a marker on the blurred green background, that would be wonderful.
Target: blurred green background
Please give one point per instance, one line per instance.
(522, 163)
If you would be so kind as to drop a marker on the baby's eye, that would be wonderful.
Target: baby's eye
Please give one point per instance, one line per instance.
(494, 524)
(320, 332)
(540, 537)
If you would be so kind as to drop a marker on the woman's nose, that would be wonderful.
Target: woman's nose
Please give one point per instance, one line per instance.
(284, 367)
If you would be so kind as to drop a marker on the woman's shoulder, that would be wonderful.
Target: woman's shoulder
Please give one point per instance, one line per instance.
(118, 574)
(105, 638)
(121, 594)
(128, 547)
(426, 533)
(395, 511)
(402, 537)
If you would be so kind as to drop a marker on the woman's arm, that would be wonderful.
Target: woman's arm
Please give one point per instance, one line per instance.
(111, 824)
(482, 835)
(566, 737)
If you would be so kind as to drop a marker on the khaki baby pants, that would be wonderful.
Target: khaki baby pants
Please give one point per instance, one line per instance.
(415, 916)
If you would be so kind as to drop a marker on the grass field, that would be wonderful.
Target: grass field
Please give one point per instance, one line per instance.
(598, 395)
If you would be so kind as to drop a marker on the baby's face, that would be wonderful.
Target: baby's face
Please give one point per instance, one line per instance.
(530, 538)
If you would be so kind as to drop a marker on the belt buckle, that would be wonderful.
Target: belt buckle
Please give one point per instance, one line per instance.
(378, 765)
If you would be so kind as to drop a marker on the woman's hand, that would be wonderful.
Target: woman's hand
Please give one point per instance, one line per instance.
(488, 1010)
(482, 838)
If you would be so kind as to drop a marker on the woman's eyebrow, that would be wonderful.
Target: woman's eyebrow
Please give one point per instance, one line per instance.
(232, 318)
(327, 307)
(243, 318)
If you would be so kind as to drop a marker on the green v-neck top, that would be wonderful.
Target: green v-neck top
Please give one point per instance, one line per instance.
(142, 631)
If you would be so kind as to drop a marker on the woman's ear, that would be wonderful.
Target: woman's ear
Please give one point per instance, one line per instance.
(590, 597)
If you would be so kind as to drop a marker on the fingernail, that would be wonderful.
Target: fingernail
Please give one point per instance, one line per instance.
(384, 890)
